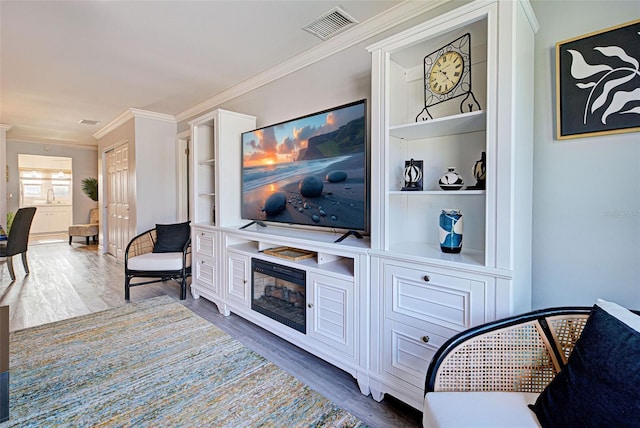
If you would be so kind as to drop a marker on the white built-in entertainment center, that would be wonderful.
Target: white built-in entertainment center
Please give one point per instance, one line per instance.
(380, 307)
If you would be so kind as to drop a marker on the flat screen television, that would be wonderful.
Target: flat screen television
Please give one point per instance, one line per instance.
(309, 171)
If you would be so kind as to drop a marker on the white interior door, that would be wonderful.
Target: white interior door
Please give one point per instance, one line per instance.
(118, 200)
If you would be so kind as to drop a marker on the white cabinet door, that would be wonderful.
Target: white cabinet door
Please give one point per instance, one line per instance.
(59, 219)
(331, 312)
(40, 222)
(238, 283)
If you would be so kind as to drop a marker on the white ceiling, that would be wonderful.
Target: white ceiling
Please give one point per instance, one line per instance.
(63, 61)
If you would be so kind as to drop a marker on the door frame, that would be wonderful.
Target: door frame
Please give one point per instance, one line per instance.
(183, 168)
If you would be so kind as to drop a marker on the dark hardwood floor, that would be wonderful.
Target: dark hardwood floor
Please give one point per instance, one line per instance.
(68, 281)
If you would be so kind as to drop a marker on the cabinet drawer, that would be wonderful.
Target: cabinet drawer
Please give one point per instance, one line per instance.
(204, 271)
(410, 352)
(205, 242)
(424, 296)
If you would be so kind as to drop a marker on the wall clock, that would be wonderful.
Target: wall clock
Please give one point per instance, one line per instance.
(447, 75)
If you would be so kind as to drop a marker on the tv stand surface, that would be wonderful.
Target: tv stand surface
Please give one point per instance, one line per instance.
(300, 237)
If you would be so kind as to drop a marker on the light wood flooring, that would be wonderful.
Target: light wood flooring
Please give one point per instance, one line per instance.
(68, 281)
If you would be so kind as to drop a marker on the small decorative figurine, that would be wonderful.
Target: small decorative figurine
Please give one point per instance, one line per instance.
(451, 180)
(412, 175)
(480, 173)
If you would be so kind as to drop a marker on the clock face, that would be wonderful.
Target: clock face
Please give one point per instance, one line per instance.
(446, 72)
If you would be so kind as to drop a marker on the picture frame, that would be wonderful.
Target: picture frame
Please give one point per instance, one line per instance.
(598, 83)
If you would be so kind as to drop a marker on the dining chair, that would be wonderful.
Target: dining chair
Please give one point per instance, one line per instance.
(18, 239)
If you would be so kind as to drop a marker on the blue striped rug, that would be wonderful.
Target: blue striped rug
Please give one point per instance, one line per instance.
(153, 363)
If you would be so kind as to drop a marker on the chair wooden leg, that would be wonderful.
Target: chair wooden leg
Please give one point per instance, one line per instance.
(69, 240)
(87, 240)
(24, 263)
(183, 288)
(126, 287)
(10, 267)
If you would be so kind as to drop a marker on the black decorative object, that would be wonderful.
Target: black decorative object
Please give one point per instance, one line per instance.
(480, 173)
(447, 75)
(598, 83)
(412, 175)
(451, 180)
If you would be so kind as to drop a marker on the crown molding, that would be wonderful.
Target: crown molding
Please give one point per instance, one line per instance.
(357, 34)
(57, 143)
(131, 114)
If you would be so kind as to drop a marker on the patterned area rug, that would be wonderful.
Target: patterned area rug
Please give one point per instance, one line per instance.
(153, 363)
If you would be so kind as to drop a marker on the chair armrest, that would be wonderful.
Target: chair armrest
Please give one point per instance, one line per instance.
(186, 254)
(141, 244)
(521, 353)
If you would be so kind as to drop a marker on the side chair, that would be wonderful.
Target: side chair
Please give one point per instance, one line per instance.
(162, 253)
(18, 239)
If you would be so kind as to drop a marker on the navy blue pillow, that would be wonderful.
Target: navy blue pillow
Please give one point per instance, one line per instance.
(600, 385)
(170, 238)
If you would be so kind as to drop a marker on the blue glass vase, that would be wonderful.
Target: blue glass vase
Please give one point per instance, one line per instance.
(451, 231)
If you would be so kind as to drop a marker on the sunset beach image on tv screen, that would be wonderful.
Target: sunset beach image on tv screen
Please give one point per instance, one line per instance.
(308, 171)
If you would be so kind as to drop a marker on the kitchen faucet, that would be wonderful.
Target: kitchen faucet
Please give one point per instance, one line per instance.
(53, 195)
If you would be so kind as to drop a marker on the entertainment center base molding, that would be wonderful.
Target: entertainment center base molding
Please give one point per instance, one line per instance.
(379, 307)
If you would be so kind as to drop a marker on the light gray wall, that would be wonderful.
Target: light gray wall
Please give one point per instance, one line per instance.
(155, 168)
(152, 170)
(84, 163)
(586, 197)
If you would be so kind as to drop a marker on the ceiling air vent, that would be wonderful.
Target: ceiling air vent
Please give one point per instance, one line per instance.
(330, 24)
(89, 122)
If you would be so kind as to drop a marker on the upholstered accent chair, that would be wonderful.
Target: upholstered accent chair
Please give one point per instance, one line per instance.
(18, 239)
(162, 253)
(88, 230)
(522, 371)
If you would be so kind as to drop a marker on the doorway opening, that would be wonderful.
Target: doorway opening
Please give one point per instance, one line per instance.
(46, 182)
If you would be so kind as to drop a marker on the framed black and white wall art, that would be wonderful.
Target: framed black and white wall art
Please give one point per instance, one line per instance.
(598, 83)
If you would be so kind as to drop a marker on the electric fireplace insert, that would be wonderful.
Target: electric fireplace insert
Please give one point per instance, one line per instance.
(279, 292)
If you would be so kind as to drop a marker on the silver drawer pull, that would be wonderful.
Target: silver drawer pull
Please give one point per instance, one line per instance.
(426, 278)
(425, 339)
